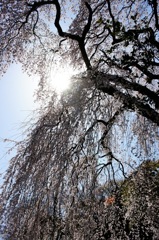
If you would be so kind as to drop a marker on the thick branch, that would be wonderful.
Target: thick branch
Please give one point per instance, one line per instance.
(132, 86)
(84, 54)
(113, 19)
(144, 70)
(154, 2)
(79, 39)
(58, 26)
(88, 25)
(130, 102)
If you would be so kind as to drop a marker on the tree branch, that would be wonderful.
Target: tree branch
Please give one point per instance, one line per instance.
(130, 102)
(79, 39)
(88, 25)
(154, 3)
(133, 86)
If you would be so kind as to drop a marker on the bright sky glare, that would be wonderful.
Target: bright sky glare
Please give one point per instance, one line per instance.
(17, 104)
(60, 79)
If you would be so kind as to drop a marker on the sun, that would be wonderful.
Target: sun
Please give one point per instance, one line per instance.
(61, 78)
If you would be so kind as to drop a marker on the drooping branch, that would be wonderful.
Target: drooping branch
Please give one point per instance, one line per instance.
(111, 121)
(108, 125)
(51, 184)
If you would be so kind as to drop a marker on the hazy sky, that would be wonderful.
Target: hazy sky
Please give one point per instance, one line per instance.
(16, 105)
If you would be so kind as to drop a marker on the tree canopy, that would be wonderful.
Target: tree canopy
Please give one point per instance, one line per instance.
(96, 133)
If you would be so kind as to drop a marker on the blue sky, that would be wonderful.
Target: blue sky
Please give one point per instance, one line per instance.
(17, 102)
(16, 106)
